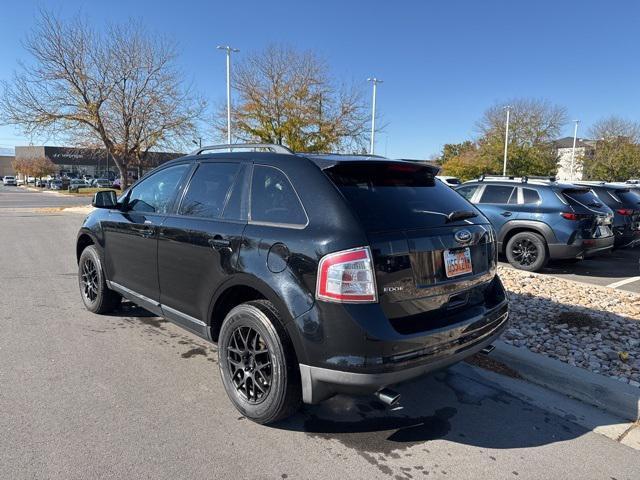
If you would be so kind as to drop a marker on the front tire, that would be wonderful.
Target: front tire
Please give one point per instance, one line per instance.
(96, 296)
(527, 251)
(257, 364)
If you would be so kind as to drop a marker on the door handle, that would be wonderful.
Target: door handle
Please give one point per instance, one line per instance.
(144, 232)
(506, 214)
(218, 242)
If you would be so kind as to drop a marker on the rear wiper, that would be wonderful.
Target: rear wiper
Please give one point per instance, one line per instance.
(461, 215)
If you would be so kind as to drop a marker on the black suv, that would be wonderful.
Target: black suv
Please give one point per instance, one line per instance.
(316, 275)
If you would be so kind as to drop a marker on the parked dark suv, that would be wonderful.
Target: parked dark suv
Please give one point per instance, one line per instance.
(625, 203)
(316, 275)
(538, 219)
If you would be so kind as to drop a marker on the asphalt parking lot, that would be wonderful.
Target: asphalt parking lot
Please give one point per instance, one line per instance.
(133, 396)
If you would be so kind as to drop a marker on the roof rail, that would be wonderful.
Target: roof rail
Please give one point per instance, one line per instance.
(255, 146)
(549, 178)
(488, 176)
(523, 179)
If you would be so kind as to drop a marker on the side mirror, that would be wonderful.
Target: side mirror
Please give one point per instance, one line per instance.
(105, 199)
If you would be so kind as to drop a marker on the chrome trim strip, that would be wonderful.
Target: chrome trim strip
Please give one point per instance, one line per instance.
(124, 289)
(178, 313)
(184, 315)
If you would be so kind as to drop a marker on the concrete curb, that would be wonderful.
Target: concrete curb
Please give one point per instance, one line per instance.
(611, 395)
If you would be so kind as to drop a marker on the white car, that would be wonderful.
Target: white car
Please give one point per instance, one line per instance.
(9, 180)
(449, 181)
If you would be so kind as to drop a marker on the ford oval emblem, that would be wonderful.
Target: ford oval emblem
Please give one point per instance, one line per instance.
(462, 236)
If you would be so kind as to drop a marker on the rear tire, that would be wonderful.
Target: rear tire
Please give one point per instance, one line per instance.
(527, 251)
(257, 363)
(96, 296)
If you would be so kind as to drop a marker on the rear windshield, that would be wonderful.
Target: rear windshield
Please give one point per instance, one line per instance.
(396, 196)
(582, 196)
(625, 197)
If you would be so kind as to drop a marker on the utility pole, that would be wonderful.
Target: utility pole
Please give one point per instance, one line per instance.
(375, 82)
(506, 142)
(228, 49)
(573, 150)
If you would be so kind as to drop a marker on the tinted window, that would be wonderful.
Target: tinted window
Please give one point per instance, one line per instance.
(467, 192)
(208, 190)
(628, 198)
(236, 208)
(396, 196)
(273, 199)
(582, 196)
(156, 193)
(497, 194)
(530, 196)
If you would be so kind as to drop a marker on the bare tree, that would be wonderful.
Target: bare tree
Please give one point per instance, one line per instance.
(119, 89)
(287, 97)
(613, 128)
(532, 121)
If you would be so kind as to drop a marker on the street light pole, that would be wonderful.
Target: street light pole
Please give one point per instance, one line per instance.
(573, 150)
(228, 49)
(375, 82)
(506, 142)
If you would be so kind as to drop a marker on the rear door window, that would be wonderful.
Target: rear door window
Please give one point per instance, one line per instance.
(208, 190)
(530, 196)
(389, 196)
(500, 194)
(274, 200)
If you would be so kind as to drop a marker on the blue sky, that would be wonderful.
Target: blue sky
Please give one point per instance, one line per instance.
(442, 62)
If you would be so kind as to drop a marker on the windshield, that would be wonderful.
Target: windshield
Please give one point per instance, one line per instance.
(398, 196)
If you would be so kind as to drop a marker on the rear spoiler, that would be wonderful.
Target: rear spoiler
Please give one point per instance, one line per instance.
(433, 169)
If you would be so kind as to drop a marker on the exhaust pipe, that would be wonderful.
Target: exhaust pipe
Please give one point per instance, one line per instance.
(487, 350)
(389, 397)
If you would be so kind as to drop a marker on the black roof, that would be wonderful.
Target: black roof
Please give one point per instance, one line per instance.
(322, 160)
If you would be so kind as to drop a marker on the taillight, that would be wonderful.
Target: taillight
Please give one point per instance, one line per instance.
(347, 277)
(624, 211)
(574, 216)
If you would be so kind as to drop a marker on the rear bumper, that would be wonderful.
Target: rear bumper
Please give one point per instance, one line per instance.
(596, 246)
(581, 248)
(439, 349)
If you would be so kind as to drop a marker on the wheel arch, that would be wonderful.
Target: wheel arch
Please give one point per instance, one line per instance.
(518, 226)
(240, 289)
(84, 240)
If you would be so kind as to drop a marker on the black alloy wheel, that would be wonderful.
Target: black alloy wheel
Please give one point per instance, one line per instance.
(249, 362)
(89, 279)
(96, 296)
(258, 365)
(527, 251)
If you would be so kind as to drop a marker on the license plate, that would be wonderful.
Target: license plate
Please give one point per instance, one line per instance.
(603, 231)
(457, 262)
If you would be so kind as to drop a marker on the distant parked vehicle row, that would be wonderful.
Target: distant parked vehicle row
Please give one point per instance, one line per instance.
(624, 202)
(539, 219)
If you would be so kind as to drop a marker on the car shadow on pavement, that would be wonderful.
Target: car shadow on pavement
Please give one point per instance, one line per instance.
(459, 405)
(455, 405)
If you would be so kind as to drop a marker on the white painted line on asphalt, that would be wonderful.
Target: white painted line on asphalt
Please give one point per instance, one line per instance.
(623, 282)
